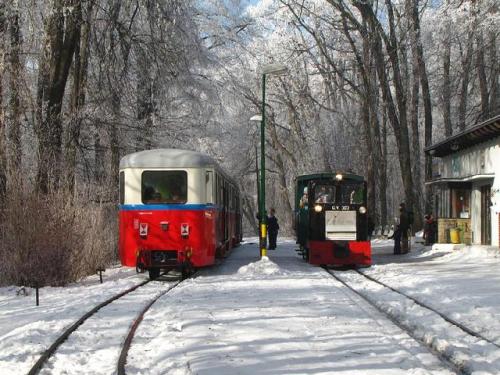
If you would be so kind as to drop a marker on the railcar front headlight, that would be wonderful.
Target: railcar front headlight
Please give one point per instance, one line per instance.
(318, 208)
(339, 176)
(362, 210)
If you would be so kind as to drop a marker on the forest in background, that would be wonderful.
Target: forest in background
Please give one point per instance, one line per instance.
(370, 84)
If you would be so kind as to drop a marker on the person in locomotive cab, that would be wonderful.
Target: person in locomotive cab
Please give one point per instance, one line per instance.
(304, 199)
(322, 196)
(272, 229)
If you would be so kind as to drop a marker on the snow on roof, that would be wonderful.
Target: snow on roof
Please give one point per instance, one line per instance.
(166, 158)
(479, 133)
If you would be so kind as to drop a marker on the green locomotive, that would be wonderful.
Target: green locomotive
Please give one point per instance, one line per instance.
(331, 219)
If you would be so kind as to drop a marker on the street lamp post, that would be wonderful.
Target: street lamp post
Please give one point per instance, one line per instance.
(271, 69)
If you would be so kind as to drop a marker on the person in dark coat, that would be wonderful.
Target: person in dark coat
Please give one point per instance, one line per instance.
(429, 230)
(404, 226)
(370, 227)
(272, 229)
(397, 240)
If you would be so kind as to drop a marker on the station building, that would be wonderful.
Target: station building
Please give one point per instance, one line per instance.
(466, 185)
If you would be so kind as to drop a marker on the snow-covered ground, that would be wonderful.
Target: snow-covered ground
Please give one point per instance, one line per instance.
(271, 316)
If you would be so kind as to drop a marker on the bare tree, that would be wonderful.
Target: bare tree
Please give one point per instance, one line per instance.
(3, 156)
(62, 30)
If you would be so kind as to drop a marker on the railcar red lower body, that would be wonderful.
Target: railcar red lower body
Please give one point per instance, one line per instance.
(169, 238)
(340, 253)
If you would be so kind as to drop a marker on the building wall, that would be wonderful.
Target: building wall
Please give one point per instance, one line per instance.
(475, 202)
(477, 160)
(479, 164)
(464, 225)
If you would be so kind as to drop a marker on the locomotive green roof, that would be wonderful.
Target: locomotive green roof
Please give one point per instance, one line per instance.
(329, 175)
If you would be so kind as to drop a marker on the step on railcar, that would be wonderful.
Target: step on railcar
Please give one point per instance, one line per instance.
(331, 219)
(178, 210)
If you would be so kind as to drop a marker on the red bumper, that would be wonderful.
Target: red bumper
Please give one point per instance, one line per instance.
(340, 253)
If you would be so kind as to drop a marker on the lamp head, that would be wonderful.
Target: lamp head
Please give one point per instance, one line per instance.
(274, 69)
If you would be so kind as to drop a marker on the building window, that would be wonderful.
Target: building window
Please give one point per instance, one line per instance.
(460, 203)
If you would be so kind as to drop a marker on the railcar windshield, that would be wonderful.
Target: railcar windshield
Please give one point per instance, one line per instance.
(352, 193)
(164, 187)
(324, 194)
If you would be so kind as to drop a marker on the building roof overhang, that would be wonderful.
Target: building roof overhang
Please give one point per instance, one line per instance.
(476, 177)
(482, 132)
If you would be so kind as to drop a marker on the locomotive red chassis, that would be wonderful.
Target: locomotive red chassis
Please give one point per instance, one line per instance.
(182, 234)
(340, 253)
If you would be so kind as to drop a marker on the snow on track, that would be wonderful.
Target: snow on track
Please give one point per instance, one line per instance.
(271, 316)
(463, 350)
(27, 330)
(95, 346)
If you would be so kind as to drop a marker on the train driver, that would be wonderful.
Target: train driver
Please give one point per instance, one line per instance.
(304, 199)
(323, 195)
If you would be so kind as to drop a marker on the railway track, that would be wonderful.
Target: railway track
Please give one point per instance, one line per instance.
(452, 321)
(122, 360)
(51, 351)
(449, 357)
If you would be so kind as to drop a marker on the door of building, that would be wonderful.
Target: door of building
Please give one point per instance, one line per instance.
(485, 215)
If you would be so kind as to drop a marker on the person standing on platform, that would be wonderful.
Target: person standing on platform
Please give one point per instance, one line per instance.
(272, 229)
(397, 240)
(404, 226)
(429, 230)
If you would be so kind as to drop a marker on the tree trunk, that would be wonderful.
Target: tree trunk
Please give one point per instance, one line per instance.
(419, 60)
(77, 100)
(383, 171)
(145, 101)
(481, 73)
(367, 118)
(280, 165)
(495, 73)
(3, 156)
(60, 40)
(464, 88)
(446, 91)
(397, 116)
(14, 133)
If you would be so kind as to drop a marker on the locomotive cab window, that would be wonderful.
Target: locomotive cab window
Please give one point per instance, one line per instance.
(324, 194)
(352, 193)
(164, 187)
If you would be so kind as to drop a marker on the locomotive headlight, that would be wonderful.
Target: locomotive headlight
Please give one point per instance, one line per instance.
(338, 177)
(362, 210)
(318, 208)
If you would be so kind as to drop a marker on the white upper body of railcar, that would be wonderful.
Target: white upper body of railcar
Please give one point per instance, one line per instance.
(170, 176)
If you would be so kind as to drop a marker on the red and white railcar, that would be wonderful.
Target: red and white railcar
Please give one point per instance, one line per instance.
(178, 209)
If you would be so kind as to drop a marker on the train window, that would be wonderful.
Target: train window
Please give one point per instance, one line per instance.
(352, 193)
(160, 187)
(122, 187)
(209, 183)
(324, 193)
